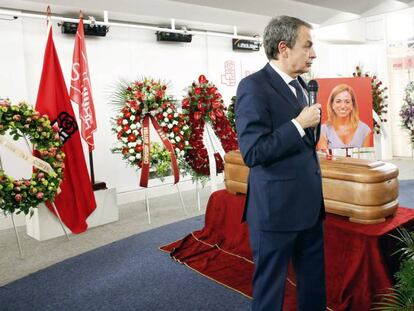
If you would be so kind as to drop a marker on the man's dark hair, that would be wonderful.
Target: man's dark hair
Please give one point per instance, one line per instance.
(281, 28)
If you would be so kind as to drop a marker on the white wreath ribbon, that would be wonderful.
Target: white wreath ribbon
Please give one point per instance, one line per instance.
(213, 145)
(28, 157)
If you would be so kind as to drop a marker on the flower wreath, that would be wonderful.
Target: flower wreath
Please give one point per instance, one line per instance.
(407, 111)
(144, 101)
(22, 195)
(205, 104)
(378, 97)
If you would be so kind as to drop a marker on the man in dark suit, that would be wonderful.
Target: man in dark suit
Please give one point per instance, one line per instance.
(284, 204)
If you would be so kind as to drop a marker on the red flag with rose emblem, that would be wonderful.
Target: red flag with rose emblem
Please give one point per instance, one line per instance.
(76, 201)
(80, 88)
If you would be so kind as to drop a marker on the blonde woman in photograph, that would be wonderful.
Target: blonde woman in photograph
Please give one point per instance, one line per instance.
(343, 129)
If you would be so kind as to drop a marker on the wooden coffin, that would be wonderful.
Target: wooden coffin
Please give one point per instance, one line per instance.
(364, 191)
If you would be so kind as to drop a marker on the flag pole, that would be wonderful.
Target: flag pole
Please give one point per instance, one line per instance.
(91, 168)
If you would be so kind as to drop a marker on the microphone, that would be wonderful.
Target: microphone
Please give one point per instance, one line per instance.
(312, 91)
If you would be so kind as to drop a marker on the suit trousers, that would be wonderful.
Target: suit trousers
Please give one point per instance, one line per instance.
(272, 252)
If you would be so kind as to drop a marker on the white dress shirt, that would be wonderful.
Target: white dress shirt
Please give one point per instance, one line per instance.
(287, 79)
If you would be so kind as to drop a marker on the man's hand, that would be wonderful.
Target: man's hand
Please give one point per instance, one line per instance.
(309, 116)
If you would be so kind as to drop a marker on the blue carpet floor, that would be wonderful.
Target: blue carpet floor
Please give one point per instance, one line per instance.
(406, 196)
(131, 274)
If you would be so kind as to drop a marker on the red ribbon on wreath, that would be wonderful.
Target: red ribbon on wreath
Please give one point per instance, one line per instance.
(147, 154)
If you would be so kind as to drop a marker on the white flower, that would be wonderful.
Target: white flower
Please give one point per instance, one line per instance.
(169, 110)
(171, 135)
(128, 132)
(139, 142)
(132, 118)
(175, 115)
(170, 126)
(133, 126)
(118, 128)
(175, 122)
(177, 139)
(166, 120)
(186, 142)
(124, 121)
(185, 127)
(182, 152)
(135, 132)
(131, 150)
(165, 114)
(132, 144)
(131, 158)
(138, 155)
(181, 132)
(163, 124)
(138, 125)
(124, 139)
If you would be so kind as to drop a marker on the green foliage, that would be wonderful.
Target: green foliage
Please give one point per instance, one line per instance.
(160, 162)
(231, 115)
(401, 296)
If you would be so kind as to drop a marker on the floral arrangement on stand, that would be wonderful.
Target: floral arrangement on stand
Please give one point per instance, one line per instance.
(204, 103)
(231, 114)
(407, 111)
(378, 97)
(143, 101)
(23, 195)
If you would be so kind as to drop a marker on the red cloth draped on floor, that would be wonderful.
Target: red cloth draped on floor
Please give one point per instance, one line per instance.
(355, 269)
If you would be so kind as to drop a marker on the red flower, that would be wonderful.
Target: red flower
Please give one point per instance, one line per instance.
(216, 104)
(202, 79)
(212, 116)
(197, 115)
(197, 90)
(132, 137)
(186, 102)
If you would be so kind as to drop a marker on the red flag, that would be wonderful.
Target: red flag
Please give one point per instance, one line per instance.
(76, 201)
(80, 88)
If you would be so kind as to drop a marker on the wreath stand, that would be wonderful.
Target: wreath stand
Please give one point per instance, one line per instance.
(147, 204)
(14, 225)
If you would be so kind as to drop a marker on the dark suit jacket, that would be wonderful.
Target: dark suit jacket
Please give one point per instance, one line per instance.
(284, 185)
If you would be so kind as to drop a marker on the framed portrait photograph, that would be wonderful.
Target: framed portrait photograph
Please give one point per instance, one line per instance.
(346, 113)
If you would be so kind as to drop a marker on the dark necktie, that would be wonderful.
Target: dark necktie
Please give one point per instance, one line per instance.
(299, 93)
(302, 101)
